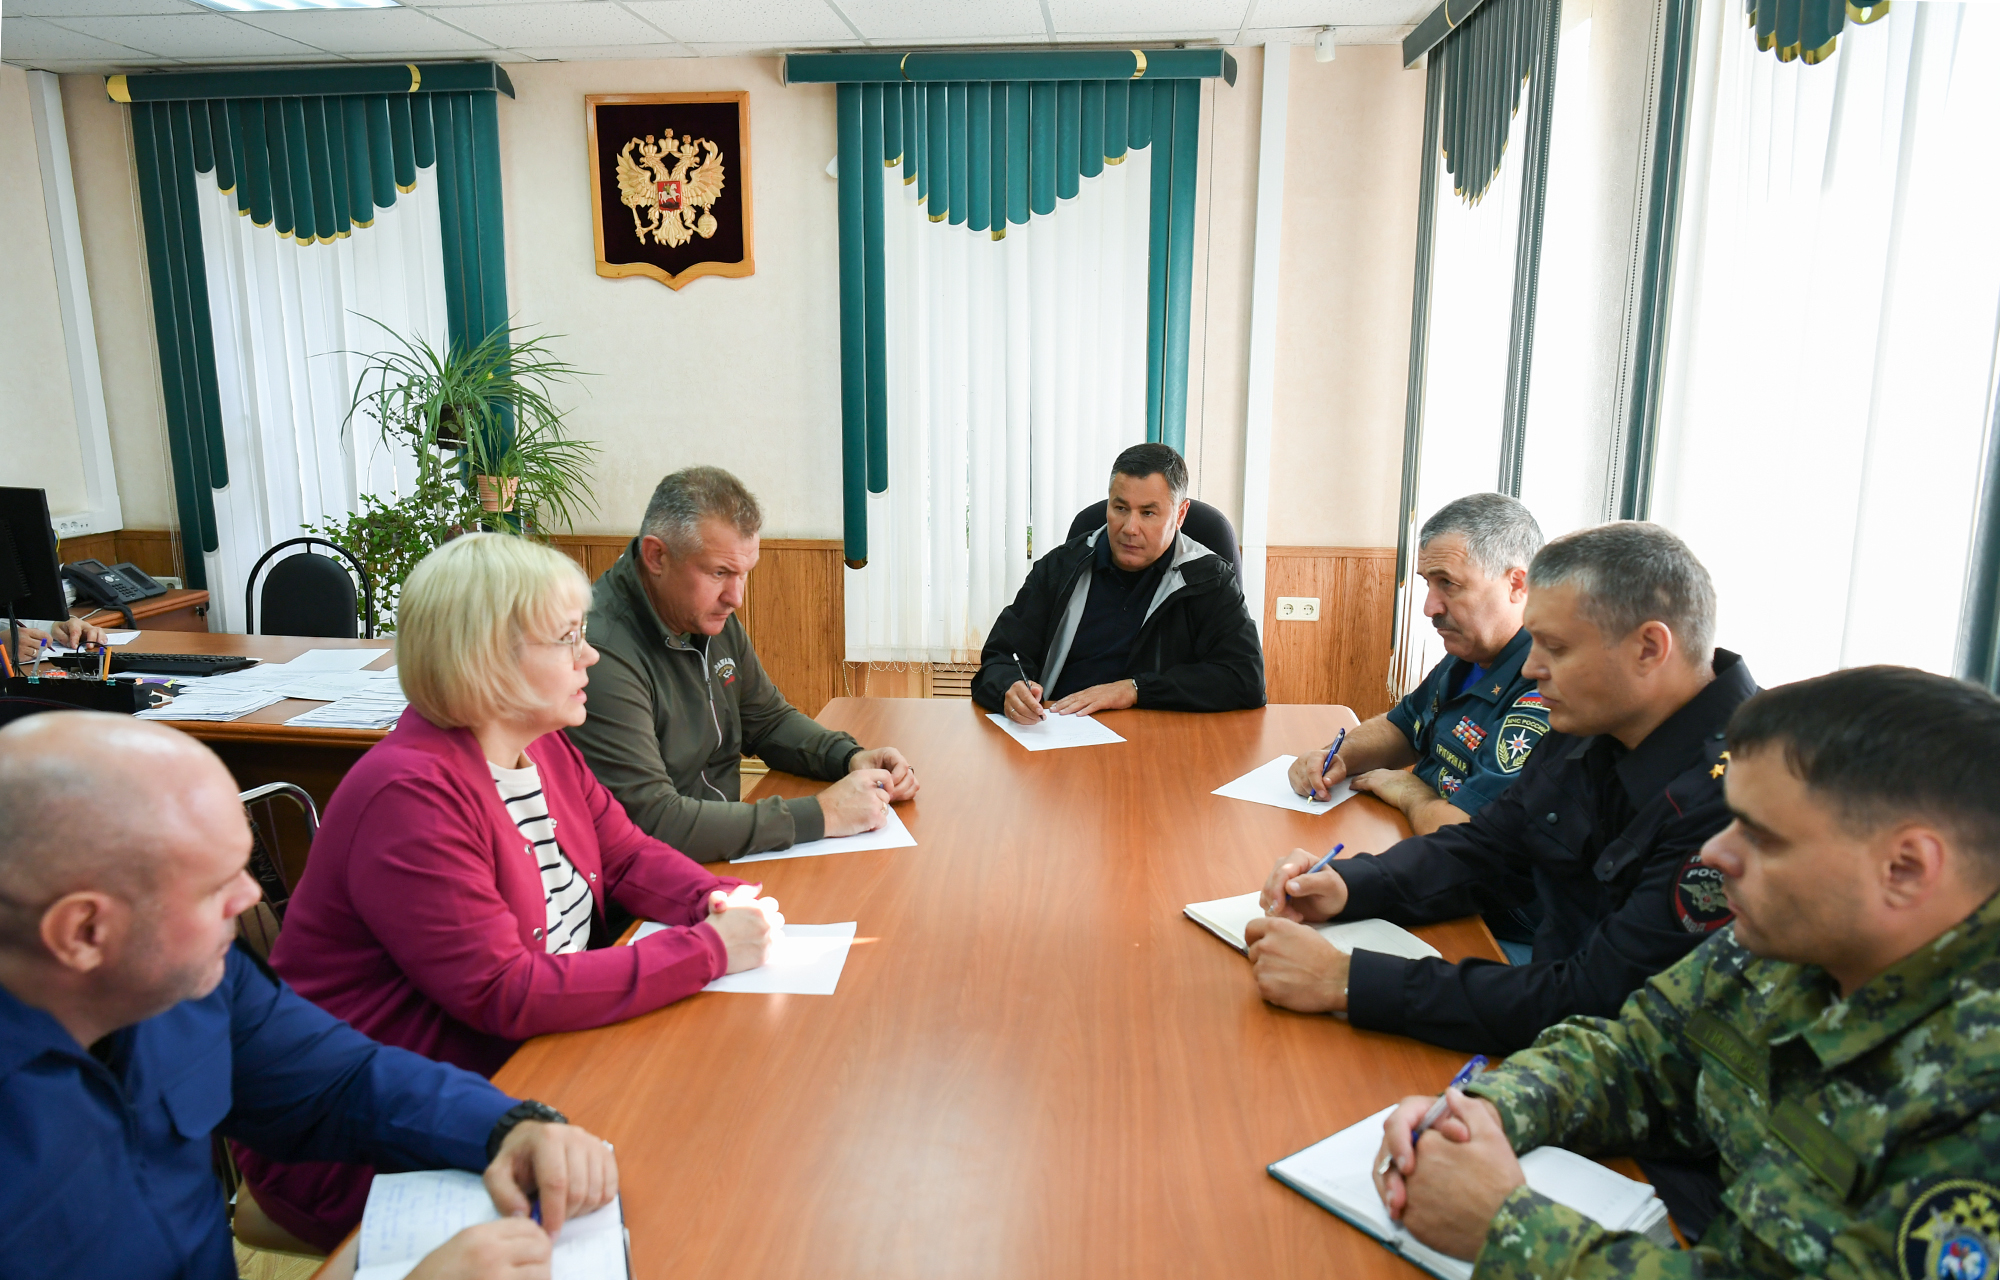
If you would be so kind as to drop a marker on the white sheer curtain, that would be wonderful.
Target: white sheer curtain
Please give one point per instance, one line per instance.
(1831, 346)
(1017, 372)
(1465, 378)
(285, 317)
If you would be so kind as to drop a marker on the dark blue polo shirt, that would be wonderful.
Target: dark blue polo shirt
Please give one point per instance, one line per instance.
(105, 1162)
(1471, 743)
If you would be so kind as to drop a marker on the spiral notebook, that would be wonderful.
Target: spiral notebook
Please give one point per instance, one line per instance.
(1225, 918)
(1336, 1175)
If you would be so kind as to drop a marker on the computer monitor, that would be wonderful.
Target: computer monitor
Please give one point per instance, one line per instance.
(30, 570)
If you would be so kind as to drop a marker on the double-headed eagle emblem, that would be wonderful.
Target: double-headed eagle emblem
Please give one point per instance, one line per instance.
(660, 180)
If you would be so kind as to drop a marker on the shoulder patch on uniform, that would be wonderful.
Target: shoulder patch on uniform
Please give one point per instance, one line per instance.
(1532, 698)
(1518, 735)
(1448, 784)
(1700, 905)
(1951, 1232)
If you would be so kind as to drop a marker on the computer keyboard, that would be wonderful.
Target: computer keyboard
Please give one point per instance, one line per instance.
(159, 664)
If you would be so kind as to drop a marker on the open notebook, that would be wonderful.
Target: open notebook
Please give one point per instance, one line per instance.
(1335, 1174)
(1225, 918)
(410, 1214)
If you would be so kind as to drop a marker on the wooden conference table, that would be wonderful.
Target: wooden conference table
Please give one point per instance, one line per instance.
(1034, 1065)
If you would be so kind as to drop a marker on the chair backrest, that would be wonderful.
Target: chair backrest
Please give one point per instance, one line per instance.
(274, 834)
(309, 595)
(1204, 524)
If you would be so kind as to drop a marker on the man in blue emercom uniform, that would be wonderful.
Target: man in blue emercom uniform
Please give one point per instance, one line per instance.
(1604, 826)
(131, 1029)
(1469, 727)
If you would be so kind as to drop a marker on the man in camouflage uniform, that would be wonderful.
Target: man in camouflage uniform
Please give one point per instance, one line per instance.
(1838, 1047)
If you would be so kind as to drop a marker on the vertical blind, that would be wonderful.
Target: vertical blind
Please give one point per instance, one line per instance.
(312, 153)
(991, 141)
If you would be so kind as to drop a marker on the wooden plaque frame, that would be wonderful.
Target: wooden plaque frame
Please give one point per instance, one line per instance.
(737, 175)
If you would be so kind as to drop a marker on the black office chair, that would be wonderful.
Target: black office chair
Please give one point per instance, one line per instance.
(270, 840)
(1204, 524)
(309, 595)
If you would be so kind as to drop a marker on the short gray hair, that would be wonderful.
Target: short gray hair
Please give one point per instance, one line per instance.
(1500, 532)
(694, 494)
(1629, 572)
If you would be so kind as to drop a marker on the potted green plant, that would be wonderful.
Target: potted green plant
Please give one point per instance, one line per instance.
(490, 444)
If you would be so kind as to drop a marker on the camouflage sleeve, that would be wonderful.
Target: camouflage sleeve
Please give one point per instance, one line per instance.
(1623, 1085)
(1534, 1238)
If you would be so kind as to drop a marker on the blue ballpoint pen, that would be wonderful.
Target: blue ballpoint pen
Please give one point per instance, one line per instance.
(1464, 1077)
(1331, 752)
(1024, 679)
(1321, 865)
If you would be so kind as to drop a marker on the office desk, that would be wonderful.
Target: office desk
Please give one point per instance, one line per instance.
(1034, 1064)
(178, 610)
(261, 747)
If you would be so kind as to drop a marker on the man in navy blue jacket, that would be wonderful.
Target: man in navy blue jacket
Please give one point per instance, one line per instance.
(131, 1029)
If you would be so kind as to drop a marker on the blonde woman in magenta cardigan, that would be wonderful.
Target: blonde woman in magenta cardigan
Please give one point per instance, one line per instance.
(453, 903)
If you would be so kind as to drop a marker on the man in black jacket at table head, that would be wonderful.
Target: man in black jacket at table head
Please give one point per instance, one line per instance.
(1134, 614)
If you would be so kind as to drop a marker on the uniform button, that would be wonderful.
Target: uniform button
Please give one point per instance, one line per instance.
(1552, 819)
(538, 933)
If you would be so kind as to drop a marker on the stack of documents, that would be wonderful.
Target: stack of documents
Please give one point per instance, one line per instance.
(1226, 918)
(204, 701)
(356, 711)
(410, 1214)
(1337, 1175)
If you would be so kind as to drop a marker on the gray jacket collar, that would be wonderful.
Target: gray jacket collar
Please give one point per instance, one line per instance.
(1184, 550)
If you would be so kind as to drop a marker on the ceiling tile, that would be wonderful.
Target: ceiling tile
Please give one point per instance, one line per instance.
(364, 31)
(206, 35)
(1340, 13)
(97, 8)
(523, 26)
(90, 66)
(1358, 34)
(766, 23)
(31, 38)
(890, 21)
(769, 49)
(1128, 17)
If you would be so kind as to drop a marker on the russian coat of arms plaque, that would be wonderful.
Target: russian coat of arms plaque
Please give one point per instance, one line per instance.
(670, 184)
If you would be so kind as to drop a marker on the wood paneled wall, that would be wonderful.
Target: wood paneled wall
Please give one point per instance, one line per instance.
(797, 619)
(1343, 657)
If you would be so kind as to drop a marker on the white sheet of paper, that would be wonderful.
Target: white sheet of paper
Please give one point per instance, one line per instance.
(807, 961)
(205, 702)
(1226, 917)
(1269, 783)
(357, 711)
(890, 835)
(113, 638)
(411, 1214)
(333, 660)
(1058, 731)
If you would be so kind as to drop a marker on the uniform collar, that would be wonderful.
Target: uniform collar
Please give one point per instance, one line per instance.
(26, 1033)
(1499, 677)
(1671, 749)
(1945, 968)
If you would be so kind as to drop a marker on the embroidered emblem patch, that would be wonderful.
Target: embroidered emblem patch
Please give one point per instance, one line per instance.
(1518, 736)
(1699, 902)
(1468, 733)
(1532, 698)
(1448, 784)
(1444, 753)
(1951, 1232)
(726, 669)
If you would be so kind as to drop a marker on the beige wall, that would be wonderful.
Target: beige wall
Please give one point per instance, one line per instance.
(745, 373)
(1351, 175)
(38, 440)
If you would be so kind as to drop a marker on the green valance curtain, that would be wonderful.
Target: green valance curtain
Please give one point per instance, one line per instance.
(1484, 64)
(992, 140)
(311, 153)
(1806, 30)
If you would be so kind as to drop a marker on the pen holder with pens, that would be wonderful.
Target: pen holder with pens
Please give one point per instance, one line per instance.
(121, 696)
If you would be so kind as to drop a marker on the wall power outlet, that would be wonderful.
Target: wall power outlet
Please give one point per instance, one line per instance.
(1298, 608)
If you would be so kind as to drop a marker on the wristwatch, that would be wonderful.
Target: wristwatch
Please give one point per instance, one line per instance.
(529, 1110)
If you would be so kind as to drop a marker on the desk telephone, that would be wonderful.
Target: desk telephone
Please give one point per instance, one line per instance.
(115, 587)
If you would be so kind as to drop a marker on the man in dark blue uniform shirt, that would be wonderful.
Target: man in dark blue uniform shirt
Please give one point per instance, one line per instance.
(1604, 827)
(131, 1029)
(1470, 726)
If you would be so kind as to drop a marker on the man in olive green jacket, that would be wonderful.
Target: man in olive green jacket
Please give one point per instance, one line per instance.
(678, 697)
